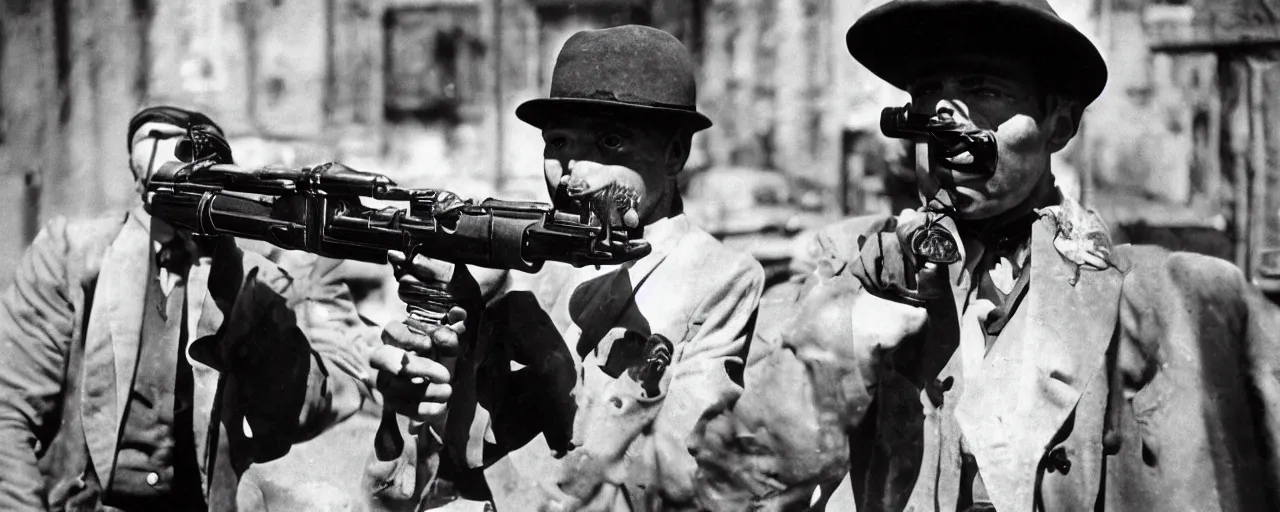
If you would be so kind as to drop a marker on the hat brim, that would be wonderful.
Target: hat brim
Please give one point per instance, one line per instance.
(536, 112)
(887, 39)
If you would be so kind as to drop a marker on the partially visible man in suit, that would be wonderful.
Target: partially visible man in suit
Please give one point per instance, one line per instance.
(995, 352)
(592, 378)
(141, 369)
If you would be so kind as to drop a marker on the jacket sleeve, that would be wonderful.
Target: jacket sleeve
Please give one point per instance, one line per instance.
(1263, 341)
(341, 381)
(36, 325)
(624, 431)
(292, 352)
(706, 374)
(784, 443)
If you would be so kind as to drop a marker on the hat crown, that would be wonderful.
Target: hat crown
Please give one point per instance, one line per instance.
(629, 64)
(888, 39)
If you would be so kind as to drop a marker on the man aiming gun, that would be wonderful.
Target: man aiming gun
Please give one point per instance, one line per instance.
(592, 377)
(143, 369)
(994, 352)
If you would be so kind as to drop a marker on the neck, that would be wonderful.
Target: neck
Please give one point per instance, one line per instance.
(670, 205)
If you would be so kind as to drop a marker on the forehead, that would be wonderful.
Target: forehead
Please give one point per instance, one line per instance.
(156, 128)
(598, 119)
(1009, 70)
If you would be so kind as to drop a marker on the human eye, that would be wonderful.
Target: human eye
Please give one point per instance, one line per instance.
(926, 89)
(989, 92)
(612, 140)
(555, 142)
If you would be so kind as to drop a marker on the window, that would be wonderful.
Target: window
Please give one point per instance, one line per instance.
(433, 62)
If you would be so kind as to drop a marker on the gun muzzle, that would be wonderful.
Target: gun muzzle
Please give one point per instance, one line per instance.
(944, 134)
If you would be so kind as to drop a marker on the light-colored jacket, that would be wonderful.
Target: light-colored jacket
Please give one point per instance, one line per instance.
(557, 345)
(69, 333)
(1151, 386)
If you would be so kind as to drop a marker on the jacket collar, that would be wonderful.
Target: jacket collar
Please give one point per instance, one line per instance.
(1048, 353)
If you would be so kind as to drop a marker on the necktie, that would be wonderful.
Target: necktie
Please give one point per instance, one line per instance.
(174, 256)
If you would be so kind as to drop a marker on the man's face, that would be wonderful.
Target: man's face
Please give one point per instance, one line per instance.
(641, 151)
(153, 138)
(999, 95)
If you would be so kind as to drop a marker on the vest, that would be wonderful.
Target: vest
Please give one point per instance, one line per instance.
(156, 465)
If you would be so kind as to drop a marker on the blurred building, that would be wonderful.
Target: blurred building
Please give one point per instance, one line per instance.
(425, 92)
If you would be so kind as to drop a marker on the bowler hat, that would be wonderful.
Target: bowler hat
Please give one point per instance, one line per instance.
(892, 37)
(639, 69)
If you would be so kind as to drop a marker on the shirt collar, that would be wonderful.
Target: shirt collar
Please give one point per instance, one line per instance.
(666, 232)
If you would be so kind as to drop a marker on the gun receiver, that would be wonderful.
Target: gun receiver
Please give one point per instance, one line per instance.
(318, 210)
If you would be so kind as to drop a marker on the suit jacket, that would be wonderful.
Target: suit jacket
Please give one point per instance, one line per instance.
(1151, 386)
(556, 346)
(280, 369)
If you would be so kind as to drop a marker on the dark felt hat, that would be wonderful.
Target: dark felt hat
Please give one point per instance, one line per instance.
(639, 69)
(890, 38)
(169, 115)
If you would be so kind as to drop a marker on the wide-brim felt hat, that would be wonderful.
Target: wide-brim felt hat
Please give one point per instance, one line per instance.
(891, 38)
(632, 68)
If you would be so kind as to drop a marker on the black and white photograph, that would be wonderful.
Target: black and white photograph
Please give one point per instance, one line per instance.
(639, 255)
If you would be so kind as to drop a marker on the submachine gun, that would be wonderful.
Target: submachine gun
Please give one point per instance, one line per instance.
(318, 210)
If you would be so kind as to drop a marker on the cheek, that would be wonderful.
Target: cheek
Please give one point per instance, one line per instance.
(1022, 152)
(164, 153)
(552, 171)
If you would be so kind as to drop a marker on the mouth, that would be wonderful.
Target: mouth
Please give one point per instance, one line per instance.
(962, 169)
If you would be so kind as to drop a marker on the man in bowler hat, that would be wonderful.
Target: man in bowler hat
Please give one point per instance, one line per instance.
(591, 379)
(143, 370)
(1041, 370)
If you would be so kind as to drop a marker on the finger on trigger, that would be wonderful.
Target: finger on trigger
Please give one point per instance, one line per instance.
(388, 359)
(438, 393)
(398, 335)
(418, 366)
(428, 411)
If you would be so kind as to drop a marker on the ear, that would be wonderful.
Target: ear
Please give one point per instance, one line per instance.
(677, 151)
(1062, 121)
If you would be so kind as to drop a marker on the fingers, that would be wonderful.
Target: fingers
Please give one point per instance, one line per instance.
(425, 338)
(588, 178)
(422, 268)
(931, 282)
(407, 366)
(418, 402)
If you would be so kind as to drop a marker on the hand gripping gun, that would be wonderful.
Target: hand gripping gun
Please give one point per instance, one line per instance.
(318, 210)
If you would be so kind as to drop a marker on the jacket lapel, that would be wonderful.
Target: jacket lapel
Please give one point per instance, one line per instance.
(1048, 353)
(111, 341)
(203, 319)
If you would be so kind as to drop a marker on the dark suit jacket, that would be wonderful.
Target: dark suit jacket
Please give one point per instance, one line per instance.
(69, 328)
(1154, 386)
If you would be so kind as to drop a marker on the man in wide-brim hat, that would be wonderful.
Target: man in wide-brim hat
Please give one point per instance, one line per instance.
(1043, 369)
(594, 377)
